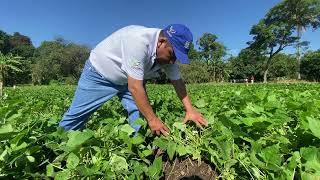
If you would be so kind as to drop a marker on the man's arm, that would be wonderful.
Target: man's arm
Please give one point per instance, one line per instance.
(181, 91)
(140, 96)
(191, 112)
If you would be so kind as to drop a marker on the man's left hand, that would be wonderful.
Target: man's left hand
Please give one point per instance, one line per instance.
(196, 117)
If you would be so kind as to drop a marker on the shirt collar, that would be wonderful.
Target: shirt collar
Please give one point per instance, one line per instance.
(154, 47)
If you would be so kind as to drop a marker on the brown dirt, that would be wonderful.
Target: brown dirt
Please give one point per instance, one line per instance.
(187, 169)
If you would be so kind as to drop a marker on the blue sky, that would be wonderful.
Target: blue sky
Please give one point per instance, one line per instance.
(88, 22)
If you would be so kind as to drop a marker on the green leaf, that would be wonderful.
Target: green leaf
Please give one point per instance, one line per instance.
(257, 173)
(312, 157)
(137, 139)
(140, 122)
(7, 128)
(50, 170)
(72, 161)
(252, 109)
(147, 152)
(313, 166)
(308, 176)
(181, 150)
(271, 157)
(155, 169)
(4, 155)
(85, 171)
(179, 125)
(196, 154)
(294, 160)
(161, 143)
(62, 175)
(128, 129)
(211, 119)
(7, 132)
(18, 137)
(171, 149)
(76, 138)
(309, 153)
(17, 148)
(118, 163)
(230, 163)
(249, 121)
(256, 147)
(200, 103)
(314, 126)
(272, 98)
(31, 158)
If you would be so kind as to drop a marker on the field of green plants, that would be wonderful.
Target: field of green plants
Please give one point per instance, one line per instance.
(255, 132)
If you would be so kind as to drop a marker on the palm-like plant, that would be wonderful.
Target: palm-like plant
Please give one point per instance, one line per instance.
(7, 62)
(300, 14)
(306, 13)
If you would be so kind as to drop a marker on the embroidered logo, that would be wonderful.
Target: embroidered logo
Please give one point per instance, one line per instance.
(187, 45)
(171, 31)
(135, 64)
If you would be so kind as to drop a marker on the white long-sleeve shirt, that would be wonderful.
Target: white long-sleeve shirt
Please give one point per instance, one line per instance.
(130, 51)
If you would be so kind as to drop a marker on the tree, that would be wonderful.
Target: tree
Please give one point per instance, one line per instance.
(4, 42)
(284, 66)
(299, 14)
(75, 57)
(20, 45)
(212, 53)
(7, 62)
(58, 60)
(193, 54)
(310, 66)
(245, 65)
(269, 39)
(195, 72)
(46, 64)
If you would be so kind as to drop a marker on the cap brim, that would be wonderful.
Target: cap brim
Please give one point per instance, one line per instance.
(181, 57)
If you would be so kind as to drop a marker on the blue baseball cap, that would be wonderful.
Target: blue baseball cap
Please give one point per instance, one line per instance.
(180, 38)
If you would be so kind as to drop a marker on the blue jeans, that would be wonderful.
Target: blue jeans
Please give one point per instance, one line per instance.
(92, 92)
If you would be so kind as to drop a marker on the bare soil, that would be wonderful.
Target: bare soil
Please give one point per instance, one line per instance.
(187, 169)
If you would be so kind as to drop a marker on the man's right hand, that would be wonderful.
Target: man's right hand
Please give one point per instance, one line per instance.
(158, 127)
(140, 96)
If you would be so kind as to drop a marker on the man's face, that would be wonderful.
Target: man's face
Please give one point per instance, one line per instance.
(165, 53)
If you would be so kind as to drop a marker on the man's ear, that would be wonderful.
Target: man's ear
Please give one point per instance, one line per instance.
(161, 40)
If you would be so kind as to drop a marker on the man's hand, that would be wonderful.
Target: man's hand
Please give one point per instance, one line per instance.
(157, 127)
(196, 117)
(191, 113)
(140, 96)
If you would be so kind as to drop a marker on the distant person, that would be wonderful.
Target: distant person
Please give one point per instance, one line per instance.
(118, 66)
(252, 79)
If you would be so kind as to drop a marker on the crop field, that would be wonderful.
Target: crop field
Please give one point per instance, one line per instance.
(255, 132)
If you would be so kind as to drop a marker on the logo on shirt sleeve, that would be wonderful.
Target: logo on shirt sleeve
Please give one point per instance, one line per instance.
(135, 64)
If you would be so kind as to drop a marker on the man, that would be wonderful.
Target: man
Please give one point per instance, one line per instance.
(119, 64)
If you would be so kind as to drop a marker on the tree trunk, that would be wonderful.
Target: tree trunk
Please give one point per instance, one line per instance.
(1, 88)
(1, 81)
(299, 31)
(265, 73)
(214, 73)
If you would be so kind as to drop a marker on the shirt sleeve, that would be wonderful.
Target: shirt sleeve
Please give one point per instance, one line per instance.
(172, 71)
(134, 55)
